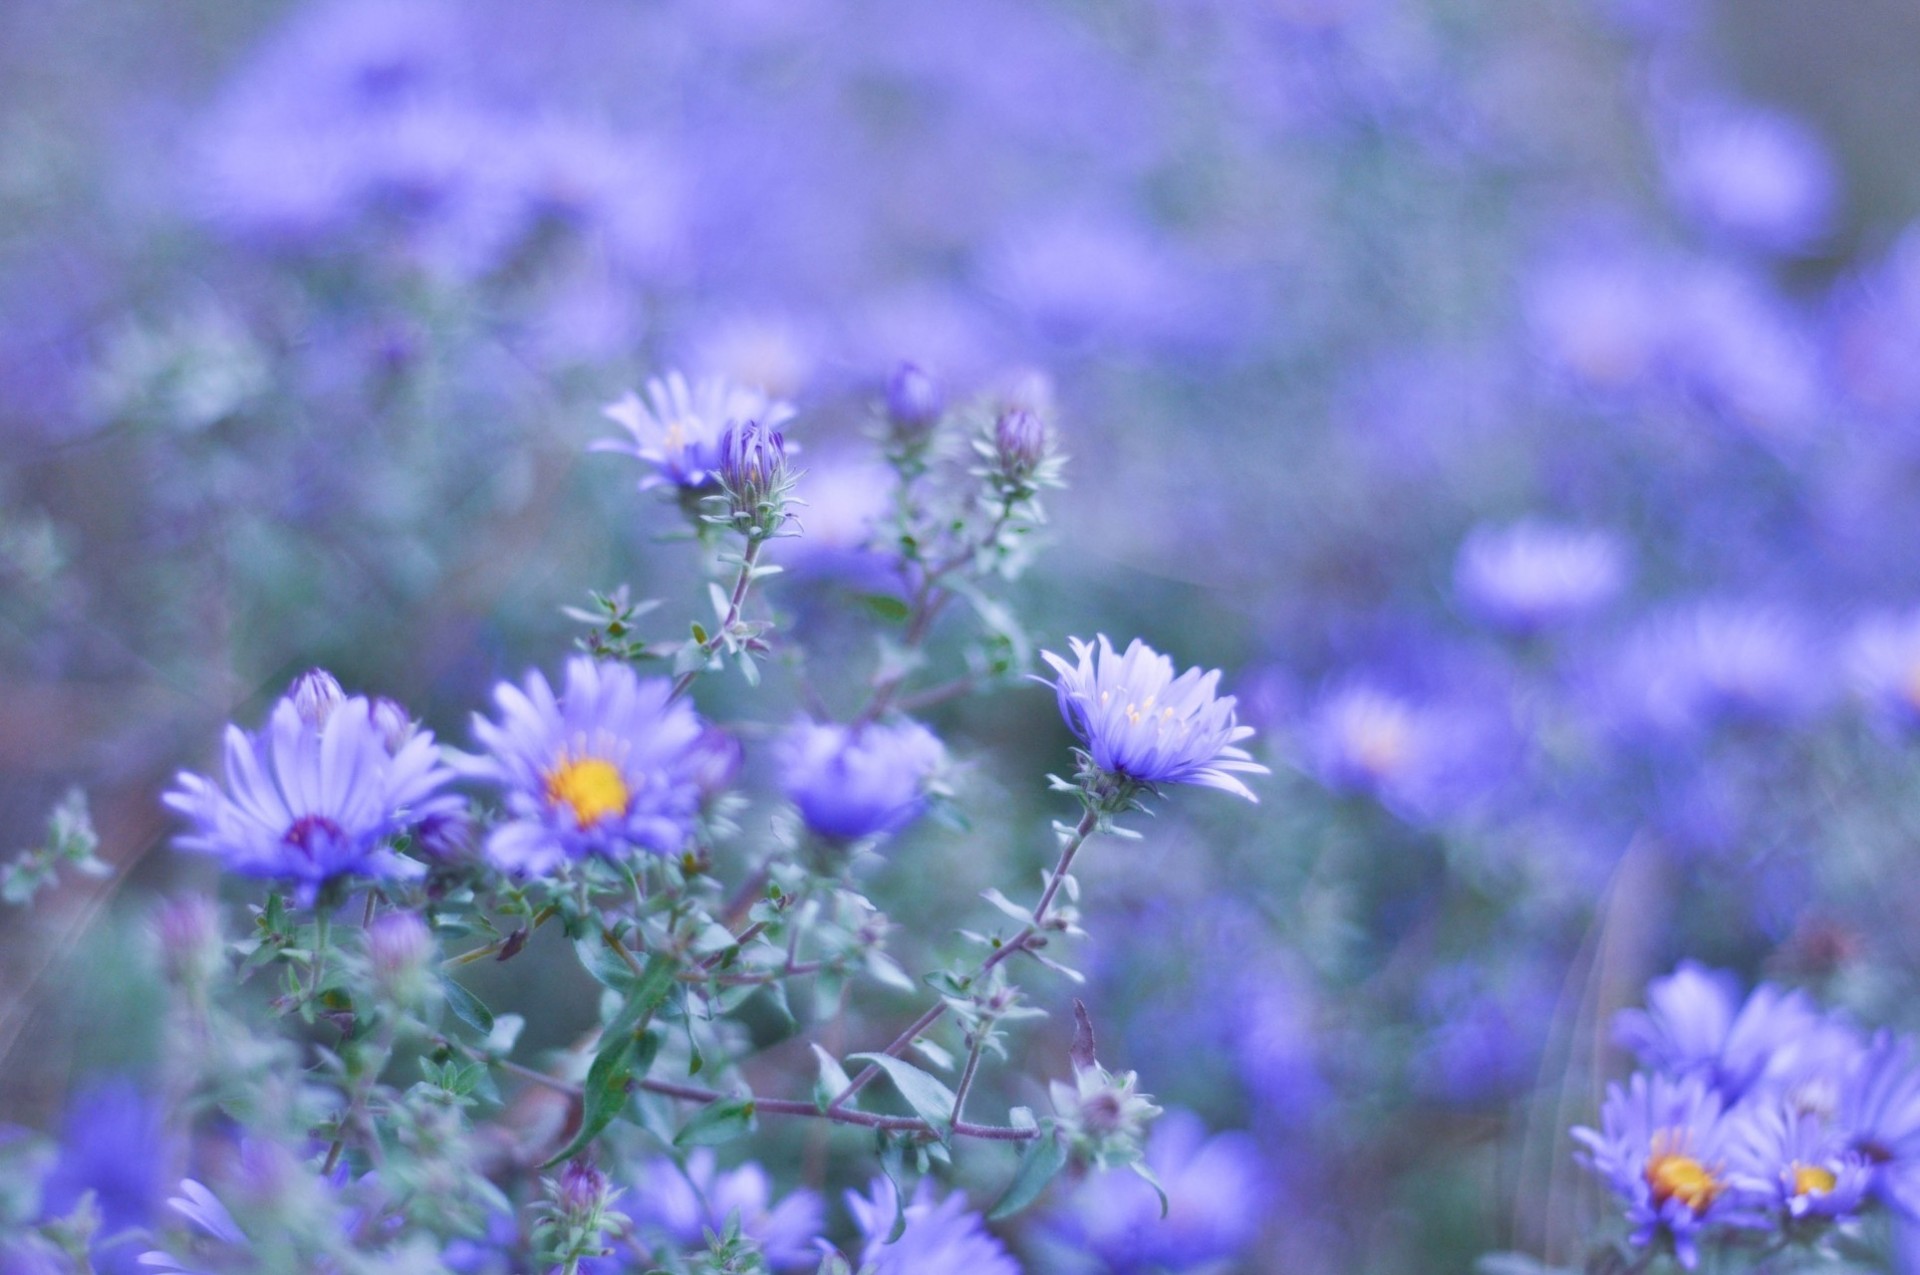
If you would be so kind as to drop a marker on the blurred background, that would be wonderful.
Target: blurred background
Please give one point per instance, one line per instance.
(1520, 400)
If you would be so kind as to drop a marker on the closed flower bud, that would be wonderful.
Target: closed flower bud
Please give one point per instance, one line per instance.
(392, 721)
(188, 930)
(314, 695)
(754, 472)
(1021, 441)
(913, 402)
(400, 949)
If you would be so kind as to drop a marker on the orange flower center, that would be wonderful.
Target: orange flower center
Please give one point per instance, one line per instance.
(1811, 1179)
(1681, 1177)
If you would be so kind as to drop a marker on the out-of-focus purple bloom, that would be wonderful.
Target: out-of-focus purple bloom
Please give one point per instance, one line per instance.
(913, 401)
(310, 803)
(1883, 666)
(610, 765)
(1875, 328)
(1534, 575)
(942, 1237)
(1662, 1148)
(1799, 1163)
(1144, 724)
(1760, 176)
(1599, 317)
(113, 1142)
(844, 503)
(1214, 1200)
(1879, 1116)
(1422, 757)
(677, 428)
(860, 781)
(1694, 1026)
(1716, 662)
(688, 1205)
(1021, 443)
(1733, 347)
(1483, 1038)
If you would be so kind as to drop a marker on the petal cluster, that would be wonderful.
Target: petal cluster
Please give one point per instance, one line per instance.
(677, 427)
(850, 782)
(316, 796)
(611, 764)
(1145, 724)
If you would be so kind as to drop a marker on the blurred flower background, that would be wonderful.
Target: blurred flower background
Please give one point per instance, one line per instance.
(1523, 398)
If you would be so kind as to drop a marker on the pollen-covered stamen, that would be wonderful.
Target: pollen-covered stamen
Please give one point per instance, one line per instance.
(1675, 1175)
(1811, 1179)
(592, 787)
(312, 833)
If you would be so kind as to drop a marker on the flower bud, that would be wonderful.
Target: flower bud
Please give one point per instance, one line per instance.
(913, 402)
(583, 1190)
(315, 694)
(188, 930)
(1021, 442)
(400, 949)
(1103, 1115)
(754, 472)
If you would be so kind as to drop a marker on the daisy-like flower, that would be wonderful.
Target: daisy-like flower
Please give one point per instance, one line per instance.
(1799, 1164)
(315, 797)
(1146, 726)
(1694, 1024)
(676, 428)
(943, 1237)
(850, 782)
(611, 764)
(1879, 1115)
(1534, 575)
(688, 1203)
(1663, 1147)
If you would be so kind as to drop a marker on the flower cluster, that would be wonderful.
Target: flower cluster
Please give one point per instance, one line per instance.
(1756, 1116)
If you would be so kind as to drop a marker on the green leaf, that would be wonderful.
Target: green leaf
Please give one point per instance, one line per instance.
(930, 1099)
(886, 607)
(604, 1094)
(468, 1009)
(1147, 1175)
(833, 1079)
(648, 994)
(717, 1122)
(1044, 1157)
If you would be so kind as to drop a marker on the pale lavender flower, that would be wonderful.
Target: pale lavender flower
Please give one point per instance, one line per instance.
(677, 428)
(311, 803)
(1214, 1192)
(913, 401)
(1694, 1024)
(612, 764)
(942, 1237)
(850, 782)
(1663, 1149)
(1716, 662)
(1147, 726)
(1883, 667)
(1799, 1163)
(1533, 575)
(1879, 1116)
(688, 1204)
(1760, 176)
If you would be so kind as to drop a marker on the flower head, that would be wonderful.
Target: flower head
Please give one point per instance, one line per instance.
(1534, 575)
(611, 764)
(1663, 1149)
(753, 472)
(314, 797)
(677, 428)
(942, 1237)
(860, 781)
(1693, 1026)
(1798, 1162)
(1146, 726)
(687, 1204)
(913, 402)
(1879, 1116)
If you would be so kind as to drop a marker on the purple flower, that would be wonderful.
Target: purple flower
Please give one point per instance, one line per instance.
(942, 1237)
(1879, 1115)
(860, 781)
(312, 801)
(113, 1142)
(1663, 1148)
(677, 429)
(1147, 726)
(1692, 1026)
(1716, 662)
(1214, 1202)
(612, 764)
(1883, 665)
(688, 1204)
(1798, 1162)
(913, 401)
(1760, 176)
(1534, 575)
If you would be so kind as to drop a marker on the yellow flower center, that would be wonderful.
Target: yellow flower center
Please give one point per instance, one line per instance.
(1811, 1179)
(1683, 1178)
(1380, 745)
(591, 785)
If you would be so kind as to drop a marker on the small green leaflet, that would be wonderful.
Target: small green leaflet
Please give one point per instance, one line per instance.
(1044, 1157)
(930, 1099)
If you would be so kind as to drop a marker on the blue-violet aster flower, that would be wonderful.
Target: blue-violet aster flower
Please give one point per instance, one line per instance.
(850, 782)
(1879, 1113)
(687, 1204)
(677, 427)
(1693, 1026)
(311, 800)
(942, 1237)
(1798, 1163)
(1663, 1148)
(1534, 575)
(1146, 726)
(613, 763)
